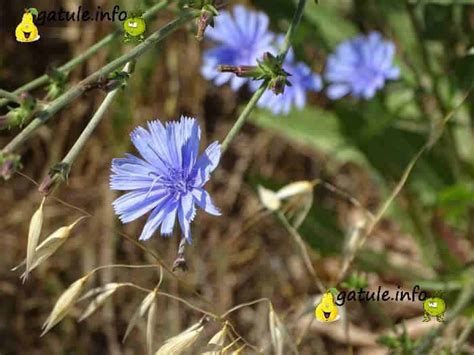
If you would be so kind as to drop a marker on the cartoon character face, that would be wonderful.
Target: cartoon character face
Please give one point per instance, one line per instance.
(434, 306)
(26, 31)
(327, 311)
(134, 26)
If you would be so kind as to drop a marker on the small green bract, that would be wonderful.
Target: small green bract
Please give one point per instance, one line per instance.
(434, 307)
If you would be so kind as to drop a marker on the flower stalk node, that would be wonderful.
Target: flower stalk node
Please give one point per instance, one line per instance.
(18, 116)
(56, 84)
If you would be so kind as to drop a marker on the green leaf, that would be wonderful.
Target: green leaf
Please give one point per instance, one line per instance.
(454, 201)
(33, 11)
(315, 127)
(330, 25)
(456, 194)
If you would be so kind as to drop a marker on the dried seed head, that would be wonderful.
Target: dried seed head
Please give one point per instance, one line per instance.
(269, 199)
(150, 326)
(102, 295)
(49, 246)
(279, 334)
(239, 350)
(181, 342)
(65, 303)
(276, 332)
(140, 312)
(295, 188)
(34, 232)
(216, 344)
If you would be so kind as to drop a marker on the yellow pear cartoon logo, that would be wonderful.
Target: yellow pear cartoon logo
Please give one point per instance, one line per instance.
(326, 310)
(26, 31)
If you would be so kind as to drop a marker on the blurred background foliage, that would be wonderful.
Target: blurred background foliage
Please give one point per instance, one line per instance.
(362, 147)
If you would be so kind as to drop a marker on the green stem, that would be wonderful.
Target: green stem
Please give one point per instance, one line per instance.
(95, 120)
(81, 58)
(292, 29)
(395, 192)
(304, 251)
(258, 94)
(435, 89)
(243, 116)
(84, 85)
(9, 96)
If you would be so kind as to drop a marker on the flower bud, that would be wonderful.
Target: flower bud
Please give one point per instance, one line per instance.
(9, 163)
(243, 71)
(206, 19)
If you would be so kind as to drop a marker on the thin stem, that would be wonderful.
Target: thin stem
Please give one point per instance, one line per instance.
(243, 116)
(85, 84)
(95, 120)
(186, 285)
(125, 266)
(161, 277)
(304, 251)
(351, 199)
(81, 58)
(456, 347)
(435, 89)
(9, 96)
(130, 284)
(393, 195)
(86, 214)
(196, 308)
(242, 305)
(292, 29)
(258, 94)
(245, 341)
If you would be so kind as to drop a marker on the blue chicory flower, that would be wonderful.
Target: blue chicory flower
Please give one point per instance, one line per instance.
(360, 67)
(168, 180)
(302, 80)
(242, 39)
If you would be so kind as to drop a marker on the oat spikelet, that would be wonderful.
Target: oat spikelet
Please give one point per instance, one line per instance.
(150, 326)
(239, 350)
(295, 188)
(269, 199)
(216, 344)
(276, 332)
(299, 195)
(33, 237)
(65, 303)
(49, 246)
(139, 313)
(181, 342)
(101, 296)
(279, 334)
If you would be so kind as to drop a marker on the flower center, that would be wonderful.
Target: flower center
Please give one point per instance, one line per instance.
(178, 182)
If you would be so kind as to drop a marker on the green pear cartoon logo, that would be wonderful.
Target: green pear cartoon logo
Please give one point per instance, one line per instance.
(27, 31)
